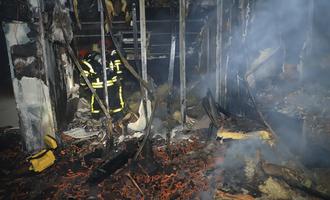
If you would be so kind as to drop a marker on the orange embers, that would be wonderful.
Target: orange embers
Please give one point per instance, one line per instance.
(166, 185)
(161, 153)
(161, 186)
(72, 185)
(73, 175)
(165, 154)
(166, 178)
(185, 171)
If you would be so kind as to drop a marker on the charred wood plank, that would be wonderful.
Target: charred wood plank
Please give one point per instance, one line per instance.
(295, 178)
(113, 164)
(213, 109)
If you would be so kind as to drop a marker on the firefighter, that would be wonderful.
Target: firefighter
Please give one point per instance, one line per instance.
(92, 65)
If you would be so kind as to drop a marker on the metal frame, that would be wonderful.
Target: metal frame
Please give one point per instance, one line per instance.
(182, 30)
(171, 65)
(218, 58)
(143, 34)
(104, 61)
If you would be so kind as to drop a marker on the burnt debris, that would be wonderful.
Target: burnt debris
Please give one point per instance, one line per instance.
(147, 99)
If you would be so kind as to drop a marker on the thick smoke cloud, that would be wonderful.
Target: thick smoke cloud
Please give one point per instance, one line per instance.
(293, 30)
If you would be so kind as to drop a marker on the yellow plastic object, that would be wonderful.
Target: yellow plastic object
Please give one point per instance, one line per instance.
(224, 135)
(41, 161)
(263, 135)
(50, 142)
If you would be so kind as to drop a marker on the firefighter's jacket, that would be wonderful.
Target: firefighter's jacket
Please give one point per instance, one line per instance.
(92, 66)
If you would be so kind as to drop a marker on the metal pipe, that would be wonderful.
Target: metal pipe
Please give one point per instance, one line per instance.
(182, 27)
(171, 66)
(311, 27)
(129, 32)
(226, 93)
(207, 32)
(136, 57)
(159, 33)
(135, 39)
(219, 50)
(148, 21)
(143, 35)
(104, 64)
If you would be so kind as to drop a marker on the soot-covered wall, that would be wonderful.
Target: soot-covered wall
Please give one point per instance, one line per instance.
(41, 72)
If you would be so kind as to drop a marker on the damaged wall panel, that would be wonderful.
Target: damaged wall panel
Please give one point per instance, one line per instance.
(31, 92)
(35, 111)
(63, 91)
(41, 72)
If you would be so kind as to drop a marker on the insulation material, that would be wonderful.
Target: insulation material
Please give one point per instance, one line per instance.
(141, 123)
(275, 189)
(80, 133)
(33, 104)
(71, 87)
(61, 22)
(34, 3)
(23, 48)
(63, 91)
(18, 33)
